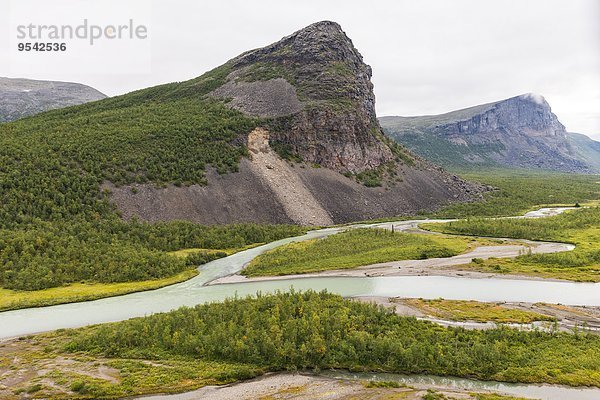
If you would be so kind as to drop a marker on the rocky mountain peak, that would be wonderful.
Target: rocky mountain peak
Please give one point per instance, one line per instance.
(320, 61)
(321, 41)
(529, 113)
(534, 98)
(317, 90)
(521, 131)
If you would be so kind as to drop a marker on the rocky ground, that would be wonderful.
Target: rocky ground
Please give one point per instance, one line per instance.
(293, 195)
(307, 387)
(245, 196)
(24, 97)
(568, 318)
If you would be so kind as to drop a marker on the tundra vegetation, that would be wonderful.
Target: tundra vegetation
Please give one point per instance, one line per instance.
(579, 227)
(467, 310)
(244, 337)
(353, 248)
(57, 227)
(518, 191)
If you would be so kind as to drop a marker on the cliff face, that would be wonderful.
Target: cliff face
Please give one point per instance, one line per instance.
(320, 93)
(518, 132)
(24, 97)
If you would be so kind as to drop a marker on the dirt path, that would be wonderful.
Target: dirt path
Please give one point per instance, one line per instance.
(297, 201)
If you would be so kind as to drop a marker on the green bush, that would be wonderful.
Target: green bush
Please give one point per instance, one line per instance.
(290, 331)
(45, 254)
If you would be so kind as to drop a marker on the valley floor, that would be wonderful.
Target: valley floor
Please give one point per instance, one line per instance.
(38, 366)
(448, 266)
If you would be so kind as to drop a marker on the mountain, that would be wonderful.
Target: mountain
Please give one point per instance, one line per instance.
(586, 149)
(24, 97)
(282, 134)
(519, 132)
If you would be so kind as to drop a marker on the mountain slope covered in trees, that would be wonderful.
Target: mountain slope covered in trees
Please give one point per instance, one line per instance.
(173, 138)
(62, 171)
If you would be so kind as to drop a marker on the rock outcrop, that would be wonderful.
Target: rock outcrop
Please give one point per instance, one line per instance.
(518, 132)
(24, 97)
(319, 82)
(284, 182)
(318, 155)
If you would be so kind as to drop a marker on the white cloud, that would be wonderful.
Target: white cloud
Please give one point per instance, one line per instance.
(535, 97)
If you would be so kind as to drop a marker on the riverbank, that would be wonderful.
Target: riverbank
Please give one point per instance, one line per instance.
(342, 385)
(296, 386)
(447, 266)
(579, 227)
(567, 318)
(213, 344)
(78, 292)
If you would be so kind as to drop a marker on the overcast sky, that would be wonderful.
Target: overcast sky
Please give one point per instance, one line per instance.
(428, 56)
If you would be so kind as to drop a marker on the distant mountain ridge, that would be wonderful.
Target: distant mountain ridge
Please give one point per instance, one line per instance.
(586, 149)
(25, 97)
(519, 132)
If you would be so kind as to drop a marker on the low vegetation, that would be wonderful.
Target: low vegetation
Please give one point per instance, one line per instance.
(382, 384)
(75, 292)
(381, 176)
(64, 376)
(492, 396)
(47, 255)
(464, 310)
(579, 227)
(520, 191)
(353, 248)
(16, 299)
(290, 331)
(435, 395)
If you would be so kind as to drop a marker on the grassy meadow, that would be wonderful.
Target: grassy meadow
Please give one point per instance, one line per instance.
(354, 248)
(518, 191)
(467, 310)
